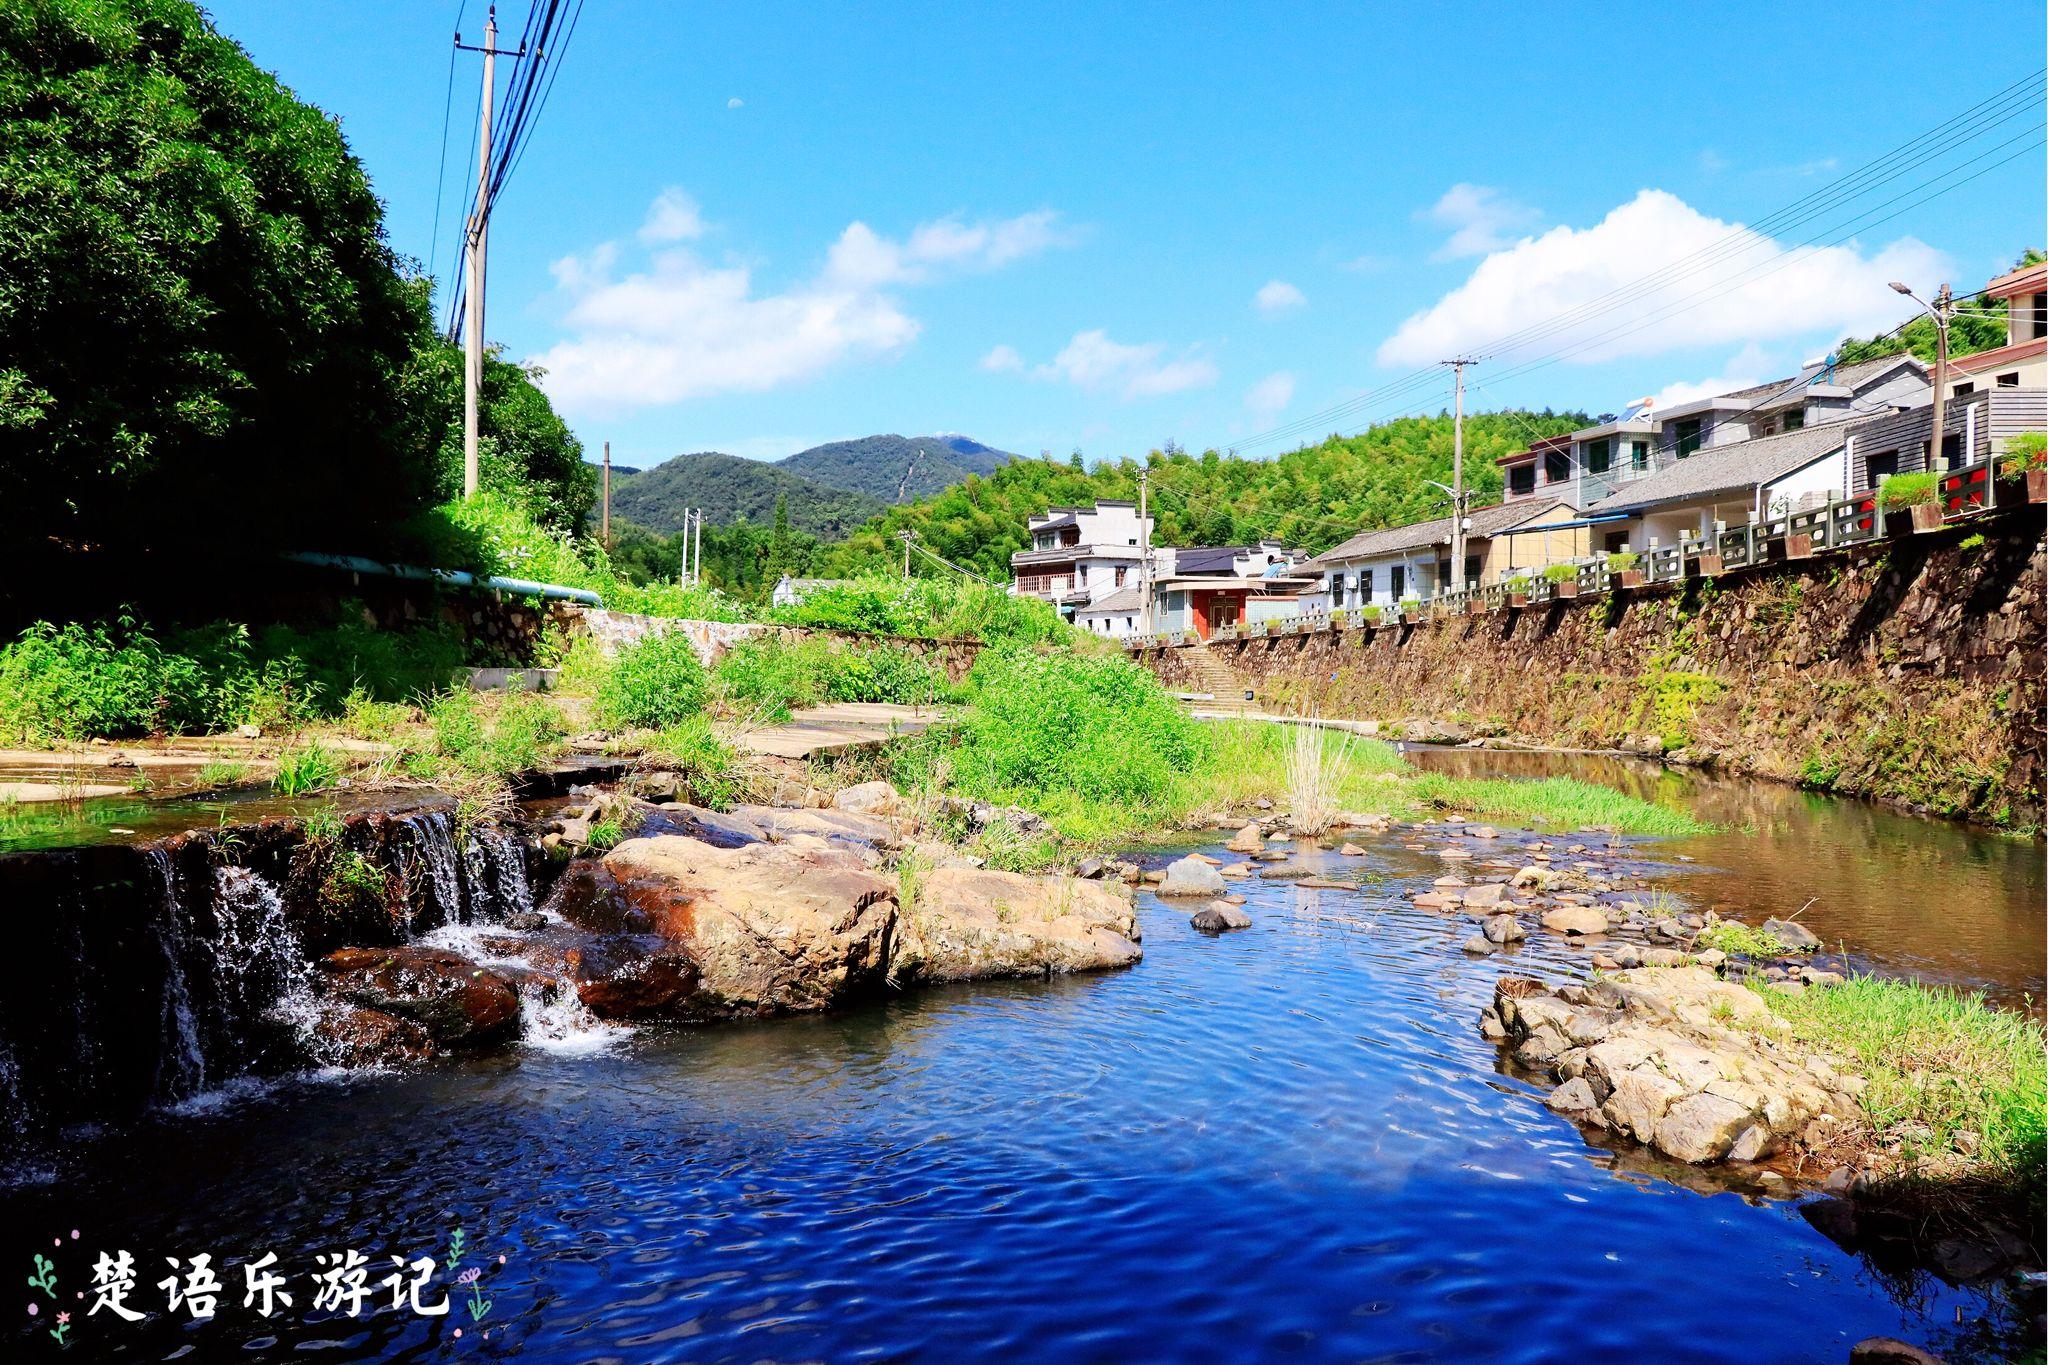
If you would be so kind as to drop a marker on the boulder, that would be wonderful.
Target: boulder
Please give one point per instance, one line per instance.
(1503, 929)
(966, 924)
(769, 927)
(1478, 945)
(1889, 1351)
(1351, 851)
(353, 1037)
(1575, 919)
(1792, 934)
(1190, 876)
(1247, 840)
(1486, 893)
(844, 827)
(869, 798)
(1219, 917)
(1701, 1127)
(456, 1002)
(637, 977)
(1575, 1096)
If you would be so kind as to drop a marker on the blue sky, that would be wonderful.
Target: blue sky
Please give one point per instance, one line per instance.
(756, 227)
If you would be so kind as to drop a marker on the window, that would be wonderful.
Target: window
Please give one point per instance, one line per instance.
(1639, 456)
(1127, 623)
(1365, 585)
(1120, 572)
(2009, 381)
(1471, 568)
(1557, 466)
(1690, 433)
(2031, 319)
(1795, 419)
(1617, 542)
(1522, 478)
(1599, 455)
(1397, 580)
(1879, 467)
(1962, 390)
(1952, 450)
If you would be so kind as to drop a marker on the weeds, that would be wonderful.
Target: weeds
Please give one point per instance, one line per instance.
(304, 769)
(1557, 802)
(1315, 765)
(221, 772)
(653, 683)
(1740, 940)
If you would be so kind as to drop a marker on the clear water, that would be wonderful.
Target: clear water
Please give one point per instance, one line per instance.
(1285, 1142)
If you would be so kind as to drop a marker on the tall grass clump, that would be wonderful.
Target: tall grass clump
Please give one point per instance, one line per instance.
(710, 771)
(1939, 1063)
(653, 683)
(1316, 763)
(493, 738)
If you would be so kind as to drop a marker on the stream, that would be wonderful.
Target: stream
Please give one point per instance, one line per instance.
(1285, 1141)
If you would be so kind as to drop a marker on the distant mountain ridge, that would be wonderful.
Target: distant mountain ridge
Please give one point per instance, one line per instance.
(830, 489)
(897, 469)
(728, 488)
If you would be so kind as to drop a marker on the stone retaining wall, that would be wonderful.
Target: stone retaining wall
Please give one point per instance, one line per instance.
(1910, 671)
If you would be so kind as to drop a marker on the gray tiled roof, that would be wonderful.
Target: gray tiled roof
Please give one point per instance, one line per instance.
(1486, 521)
(1123, 599)
(1723, 469)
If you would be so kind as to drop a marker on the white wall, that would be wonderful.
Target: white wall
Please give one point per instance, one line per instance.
(1824, 477)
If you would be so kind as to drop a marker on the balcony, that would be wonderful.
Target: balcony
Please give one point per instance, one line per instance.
(1045, 584)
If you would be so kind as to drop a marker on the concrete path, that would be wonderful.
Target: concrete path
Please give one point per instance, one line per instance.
(836, 728)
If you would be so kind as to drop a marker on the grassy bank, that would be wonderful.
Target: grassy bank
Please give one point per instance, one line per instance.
(1559, 803)
(1960, 1086)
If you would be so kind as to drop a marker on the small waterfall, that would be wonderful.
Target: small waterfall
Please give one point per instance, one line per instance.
(260, 965)
(181, 1061)
(496, 864)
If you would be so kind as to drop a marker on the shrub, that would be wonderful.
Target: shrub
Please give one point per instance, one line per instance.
(521, 732)
(1099, 728)
(1908, 490)
(772, 677)
(927, 608)
(304, 769)
(1561, 573)
(2028, 450)
(1519, 583)
(713, 774)
(653, 683)
(1621, 560)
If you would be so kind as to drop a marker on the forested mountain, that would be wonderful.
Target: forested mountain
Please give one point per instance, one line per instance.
(728, 488)
(1312, 497)
(896, 469)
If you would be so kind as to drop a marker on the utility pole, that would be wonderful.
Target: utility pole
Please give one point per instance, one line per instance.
(906, 554)
(1458, 477)
(1145, 564)
(1939, 310)
(697, 574)
(607, 497)
(473, 256)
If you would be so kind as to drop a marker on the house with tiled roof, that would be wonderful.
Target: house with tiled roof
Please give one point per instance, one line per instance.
(2022, 363)
(1379, 568)
(1732, 484)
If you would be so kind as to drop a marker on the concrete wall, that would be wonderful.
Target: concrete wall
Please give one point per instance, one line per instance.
(1909, 670)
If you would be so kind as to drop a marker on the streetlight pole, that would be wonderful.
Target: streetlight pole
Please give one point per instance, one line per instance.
(475, 243)
(1939, 311)
(1458, 476)
(1144, 563)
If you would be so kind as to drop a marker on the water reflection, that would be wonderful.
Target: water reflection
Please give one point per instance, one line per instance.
(1925, 898)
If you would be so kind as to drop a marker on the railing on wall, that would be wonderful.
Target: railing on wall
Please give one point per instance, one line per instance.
(1967, 491)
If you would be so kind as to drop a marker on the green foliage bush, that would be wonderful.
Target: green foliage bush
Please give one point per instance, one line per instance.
(304, 769)
(652, 684)
(1908, 490)
(771, 677)
(1561, 573)
(2028, 450)
(78, 681)
(711, 772)
(927, 608)
(512, 733)
(1100, 728)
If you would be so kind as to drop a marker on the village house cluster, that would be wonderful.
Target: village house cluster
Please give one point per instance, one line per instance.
(1649, 477)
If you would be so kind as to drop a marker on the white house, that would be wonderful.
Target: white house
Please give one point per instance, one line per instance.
(1080, 555)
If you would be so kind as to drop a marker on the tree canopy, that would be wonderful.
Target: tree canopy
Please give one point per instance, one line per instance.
(202, 330)
(1978, 325)
(1312, 497)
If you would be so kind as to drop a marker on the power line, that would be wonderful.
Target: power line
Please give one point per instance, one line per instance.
(1944, 137)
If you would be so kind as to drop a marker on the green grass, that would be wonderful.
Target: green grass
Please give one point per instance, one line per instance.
(1561, 803)
(928, 608)
(304, 769)
(712, 772)
(1740, 940)
(653, 683)
(222, 772)
(1939, 1059)
(492, 739)
(1908, 490)
(769, 678)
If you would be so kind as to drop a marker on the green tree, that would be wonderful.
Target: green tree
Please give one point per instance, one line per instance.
(1978, 325)
(203, 334)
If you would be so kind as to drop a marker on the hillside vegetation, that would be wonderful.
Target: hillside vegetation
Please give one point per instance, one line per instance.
(1312, 497)
(895, 469)
(729, 489)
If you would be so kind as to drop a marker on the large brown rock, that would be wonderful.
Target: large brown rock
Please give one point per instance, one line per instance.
(457, 1002)
(966, 923)
(353, 1037)
(848, 828)
(769, 928)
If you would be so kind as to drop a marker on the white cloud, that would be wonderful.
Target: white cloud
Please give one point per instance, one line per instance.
(673, 217)
(1001, 360)
(681, 327)
(1093, 361)
(1480, 219)
(1366, 264)
(1277, 296)
(735, 102)
(1749, 366)
(1749, 293)
(1269, 397)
